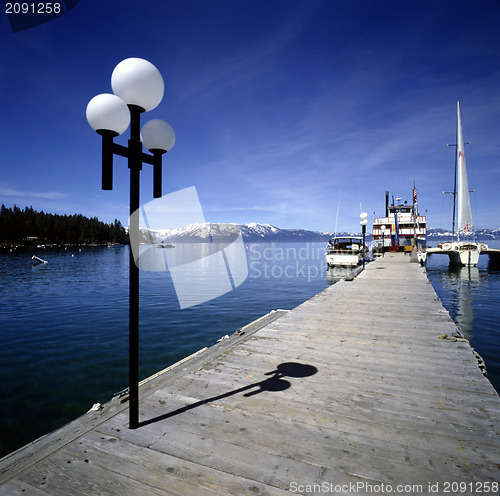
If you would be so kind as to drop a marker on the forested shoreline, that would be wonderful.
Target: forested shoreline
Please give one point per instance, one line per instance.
(27, 227)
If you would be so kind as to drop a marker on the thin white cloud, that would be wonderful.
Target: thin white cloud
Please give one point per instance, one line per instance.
(44, 195)
(215, 78)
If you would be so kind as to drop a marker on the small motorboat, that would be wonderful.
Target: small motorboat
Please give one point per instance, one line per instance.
(344, 251)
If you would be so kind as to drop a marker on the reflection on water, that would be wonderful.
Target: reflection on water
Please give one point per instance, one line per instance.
(463, 285)
(334, 274)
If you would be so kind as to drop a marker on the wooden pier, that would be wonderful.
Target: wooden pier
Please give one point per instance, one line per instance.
(366, 388)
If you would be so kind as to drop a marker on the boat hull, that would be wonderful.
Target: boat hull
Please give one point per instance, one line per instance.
(464, 257)
(343, 260)
(459, 253)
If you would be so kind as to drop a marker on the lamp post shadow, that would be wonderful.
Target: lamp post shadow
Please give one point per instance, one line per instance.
(273, 383)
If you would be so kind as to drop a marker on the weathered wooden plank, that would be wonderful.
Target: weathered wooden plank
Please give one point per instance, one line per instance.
(186, 432)
(270, 465)
(161, 470)
(377, 353)
(61, 474)
(19, 488)
(406, 377)
(267, 429)
(384, 398)
(375, 410)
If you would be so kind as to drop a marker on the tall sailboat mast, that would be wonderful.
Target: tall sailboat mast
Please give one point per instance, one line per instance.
(462, 215)
(464, 212)
(455, 185)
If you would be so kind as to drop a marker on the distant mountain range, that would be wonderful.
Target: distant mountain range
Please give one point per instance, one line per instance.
(251, 232)
(254, 232)
(483, 234)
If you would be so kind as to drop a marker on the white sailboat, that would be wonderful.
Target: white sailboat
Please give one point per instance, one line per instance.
(461, 252)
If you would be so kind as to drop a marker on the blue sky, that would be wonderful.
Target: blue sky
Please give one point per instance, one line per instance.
(279, 106)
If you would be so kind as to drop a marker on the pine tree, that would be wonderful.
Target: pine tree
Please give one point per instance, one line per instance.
(19, 226)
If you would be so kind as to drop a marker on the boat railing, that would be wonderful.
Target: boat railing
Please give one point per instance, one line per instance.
(464, 246)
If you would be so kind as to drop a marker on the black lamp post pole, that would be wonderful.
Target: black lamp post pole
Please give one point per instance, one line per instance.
(363, 230)
(136, 158)
(135, 166)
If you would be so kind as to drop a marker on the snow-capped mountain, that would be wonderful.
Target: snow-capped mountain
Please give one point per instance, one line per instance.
(251, 232)
(254, 232)
(483, 234)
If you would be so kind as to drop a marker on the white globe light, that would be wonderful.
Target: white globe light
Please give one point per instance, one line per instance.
(157, 134)
(138, 82)
(108, 112)
(363, 215)
(363, 222)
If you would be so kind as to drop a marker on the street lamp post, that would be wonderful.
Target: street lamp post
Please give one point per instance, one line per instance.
(137, 87)
(383, 228)
(364, 220)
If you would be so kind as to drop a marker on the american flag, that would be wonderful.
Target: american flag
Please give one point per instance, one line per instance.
(414, 195)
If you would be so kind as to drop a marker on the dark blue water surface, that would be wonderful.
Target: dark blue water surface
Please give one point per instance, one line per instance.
(64, 324)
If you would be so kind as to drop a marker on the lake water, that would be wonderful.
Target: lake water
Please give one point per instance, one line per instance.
(64, 325)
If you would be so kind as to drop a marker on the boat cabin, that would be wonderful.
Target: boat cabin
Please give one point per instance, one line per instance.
(403, 229)
(345, 244)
